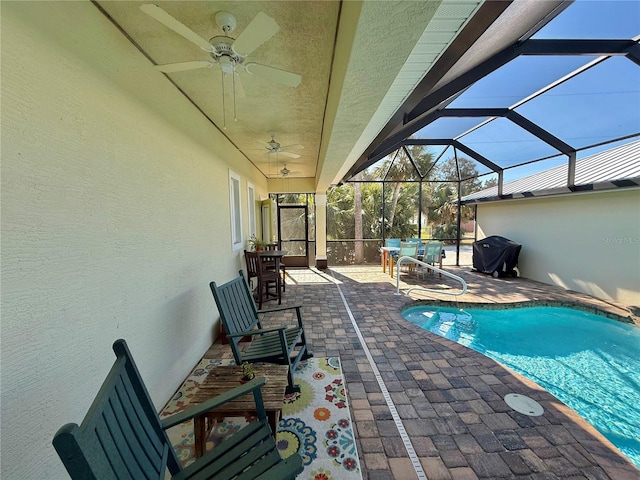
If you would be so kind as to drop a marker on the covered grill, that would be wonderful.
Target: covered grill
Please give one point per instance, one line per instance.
(496, 256)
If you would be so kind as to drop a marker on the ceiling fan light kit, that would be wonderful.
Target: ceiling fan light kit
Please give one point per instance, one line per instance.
(225, 50)
(274, 147)
(226, 21)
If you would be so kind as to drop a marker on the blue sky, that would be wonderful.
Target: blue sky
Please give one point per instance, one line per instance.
(597, 105)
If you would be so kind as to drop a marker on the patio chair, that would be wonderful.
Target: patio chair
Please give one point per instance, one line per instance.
(123, 437)
(265, 277)
(433, 254)
(407, 249)
(241, 318)
(392, 242)
(420, 253)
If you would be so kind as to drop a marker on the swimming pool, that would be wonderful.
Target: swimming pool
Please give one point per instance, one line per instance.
(589, 362)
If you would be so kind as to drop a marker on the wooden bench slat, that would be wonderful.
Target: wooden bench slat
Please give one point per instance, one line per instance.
(240, 315)
(122, 436)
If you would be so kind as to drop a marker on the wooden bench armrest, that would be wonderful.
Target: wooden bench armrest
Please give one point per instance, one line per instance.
(280, 309)
(256, 332)
(191, 412)
(297, 307)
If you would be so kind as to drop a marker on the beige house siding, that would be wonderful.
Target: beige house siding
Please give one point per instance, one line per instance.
(115, 218)
(588, 243)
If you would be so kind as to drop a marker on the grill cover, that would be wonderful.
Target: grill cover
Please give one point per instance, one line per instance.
(495, 254)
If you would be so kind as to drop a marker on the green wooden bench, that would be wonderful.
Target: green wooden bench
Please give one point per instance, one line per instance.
(241, 318)
(122, 436)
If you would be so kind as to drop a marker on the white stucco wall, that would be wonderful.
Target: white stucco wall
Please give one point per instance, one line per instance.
(115, 218)
(587, 242)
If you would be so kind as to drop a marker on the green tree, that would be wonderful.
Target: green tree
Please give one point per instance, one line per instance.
(463, 169)
(444, 206)
(340, 207)
(354, 210)
(406, 167)
(491, 182)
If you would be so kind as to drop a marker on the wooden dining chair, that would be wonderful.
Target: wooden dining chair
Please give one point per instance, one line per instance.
(265, 278)
(272, 265)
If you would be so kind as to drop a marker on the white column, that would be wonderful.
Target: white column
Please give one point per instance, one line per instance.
(321, 230)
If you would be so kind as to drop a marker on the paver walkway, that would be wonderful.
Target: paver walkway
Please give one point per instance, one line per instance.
(449, 399)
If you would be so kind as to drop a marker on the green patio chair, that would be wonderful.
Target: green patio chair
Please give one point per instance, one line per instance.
(407, 249)
(392, 242)
(122, 436)
(433, 254)
(241, 318)
(420, 253)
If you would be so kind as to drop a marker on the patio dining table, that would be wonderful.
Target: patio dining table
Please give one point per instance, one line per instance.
(386, 256)
(275, 255)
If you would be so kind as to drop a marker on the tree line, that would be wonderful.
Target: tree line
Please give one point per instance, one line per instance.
(408, 194)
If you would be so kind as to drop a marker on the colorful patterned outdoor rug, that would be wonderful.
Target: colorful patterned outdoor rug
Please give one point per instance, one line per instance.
(316, 422)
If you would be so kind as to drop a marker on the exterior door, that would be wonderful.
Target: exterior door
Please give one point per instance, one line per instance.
(293, 234)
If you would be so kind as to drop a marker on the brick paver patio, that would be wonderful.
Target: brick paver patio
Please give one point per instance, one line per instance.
(448, 397)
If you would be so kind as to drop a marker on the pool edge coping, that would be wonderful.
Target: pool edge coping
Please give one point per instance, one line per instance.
(629, 320)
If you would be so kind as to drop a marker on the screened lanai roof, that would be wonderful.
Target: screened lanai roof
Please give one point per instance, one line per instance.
(565, 91)
(616, 167)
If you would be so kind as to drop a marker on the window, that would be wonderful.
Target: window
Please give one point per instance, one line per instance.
(236, 211)
(251, 194)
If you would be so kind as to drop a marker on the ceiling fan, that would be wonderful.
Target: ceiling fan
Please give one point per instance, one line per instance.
(224, 50)
(285, 171)
(274, 147)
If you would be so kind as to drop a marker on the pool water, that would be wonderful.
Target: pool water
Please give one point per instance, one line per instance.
(591, 363)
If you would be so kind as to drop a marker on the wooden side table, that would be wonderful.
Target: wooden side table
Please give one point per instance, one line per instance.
(220, 380)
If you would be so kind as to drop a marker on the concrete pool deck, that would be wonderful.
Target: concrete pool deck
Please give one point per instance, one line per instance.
(447, 398)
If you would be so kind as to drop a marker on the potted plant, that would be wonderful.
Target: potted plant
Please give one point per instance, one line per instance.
(248, 373)
(256, 243)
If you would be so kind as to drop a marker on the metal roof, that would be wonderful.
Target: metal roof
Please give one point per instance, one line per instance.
(613, 168)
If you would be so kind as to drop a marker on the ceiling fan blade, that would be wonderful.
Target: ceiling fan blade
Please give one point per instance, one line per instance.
(274, 74)
(179, 67)
(289, 154)
(168, 21)
(259, 30)
(296, 147)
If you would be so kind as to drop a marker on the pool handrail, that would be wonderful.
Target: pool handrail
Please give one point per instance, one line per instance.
(407, 259)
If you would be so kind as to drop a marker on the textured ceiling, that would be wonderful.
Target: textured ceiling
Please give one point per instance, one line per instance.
(358, 61)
